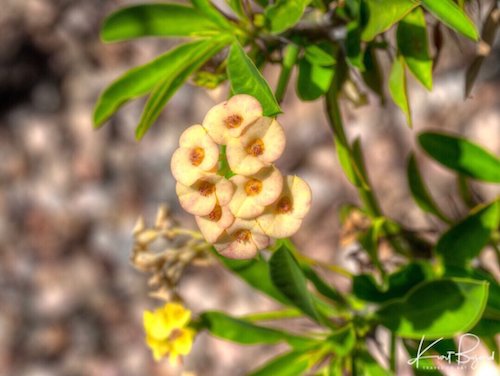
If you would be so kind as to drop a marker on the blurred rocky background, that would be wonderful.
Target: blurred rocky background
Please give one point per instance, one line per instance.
(70, 303)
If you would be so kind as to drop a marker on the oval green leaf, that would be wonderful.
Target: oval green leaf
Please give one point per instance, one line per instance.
(245, 78)
(283, 14)
(434, 309)
(466, 239)
(313, 80)
(414, 47)
(461, 155)
(165, 20)
(452, 16)
(397, 87)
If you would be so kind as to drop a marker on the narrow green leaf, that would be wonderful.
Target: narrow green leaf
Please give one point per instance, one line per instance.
(420, 192)
(140, 80)
(165, 20)
(414, 47)
(167, 88)
(322, 53)
(439, 308)
(289, 280)
(354, 52)
(283, 14)
(461, 155)
(208, 9)
(237, 7)
(342, 341)
(291, 363)
(241, 331)
(451, 15)
(397, 87)
(466, 239)
(313, 80)
(383, 14)
(372, 74)
(245, 78)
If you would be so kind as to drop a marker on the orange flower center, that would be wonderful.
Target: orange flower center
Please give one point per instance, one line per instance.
(215, 214)
(242, 236)
(197, 155)
(233, 121)
(253, 187)
(284, 205)
(176, 333)
(206, 189)
(256, 147)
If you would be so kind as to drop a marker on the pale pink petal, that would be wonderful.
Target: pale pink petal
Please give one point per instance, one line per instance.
(240, 161)
(212, 228)
(279, 225)
(271, 133)
(272, 185)
(302, 196)
(224, 190)
(182, 169)
(193, 201)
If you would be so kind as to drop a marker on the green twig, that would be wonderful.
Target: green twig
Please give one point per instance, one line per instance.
(289, 58)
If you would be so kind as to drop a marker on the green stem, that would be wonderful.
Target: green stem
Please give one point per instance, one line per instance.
(393, 355)
(291, 53)
(274, 315)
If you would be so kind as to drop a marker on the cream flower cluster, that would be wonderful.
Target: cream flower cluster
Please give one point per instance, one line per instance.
(239, 215)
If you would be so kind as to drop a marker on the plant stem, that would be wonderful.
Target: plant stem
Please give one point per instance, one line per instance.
(392, 354)
(289, 58)
(274, 315)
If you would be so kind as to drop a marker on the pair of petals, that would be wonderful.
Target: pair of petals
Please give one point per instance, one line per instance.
(196, 157)
(254, 193)
(230, 118)
(202, 197)
(261, 144)
(242, 240)
(284, 217)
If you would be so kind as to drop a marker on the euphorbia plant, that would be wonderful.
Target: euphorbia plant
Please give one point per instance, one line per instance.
(226, 178)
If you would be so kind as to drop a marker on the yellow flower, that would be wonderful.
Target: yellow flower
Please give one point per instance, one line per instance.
(230, 118)
(260, 145)
(242, 240)
(255, 192)
(166, 331)
(284, 217)
(201, 197)
(196, 157)
(214, 224)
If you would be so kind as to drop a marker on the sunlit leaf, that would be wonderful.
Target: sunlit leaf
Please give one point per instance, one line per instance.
(439, 308)
(166, 20)
(140, 80)
(313, 80)
(413, 46)
(245, 78)
(283, 14)
(382, 14)
(290, 363)
(451, 15)
(397, 87)
(461, 155)
(466, 239)
(207, 8)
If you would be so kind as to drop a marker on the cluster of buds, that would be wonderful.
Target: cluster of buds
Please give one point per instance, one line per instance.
(238, 210)
(164, 250)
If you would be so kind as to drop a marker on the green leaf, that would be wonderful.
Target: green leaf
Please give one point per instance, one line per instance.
(140, 80)
(439, 308)
(241, 331)
(322, 54)
(289, 280)
(420, 192)
(237, 8)
(354, 52)
(383, 14)
(414, 47)
(452, 16)
(466, 239)
(165, 20)
(321, 285)
(342, 341)
(288, 364)
(170, 84)
(366, 365)
(398, 284)
(245, 78)
(397, 87)
(283, 14)
(313, 80)
(208, 9)
(461, 155)
(256, 273)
